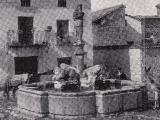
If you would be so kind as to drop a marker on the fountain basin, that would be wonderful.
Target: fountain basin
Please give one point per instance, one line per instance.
(32, 102)
(76, 105)
(72, 105)
(119, 100)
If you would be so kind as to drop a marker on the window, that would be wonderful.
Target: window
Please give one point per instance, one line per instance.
(25, 3)
(25, 27)
(61, 3)
(126, 23)
(148, 34)
(62, 29)
(26, 65)
(66, 60)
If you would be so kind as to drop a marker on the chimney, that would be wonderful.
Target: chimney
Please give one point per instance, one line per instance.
(158, 9)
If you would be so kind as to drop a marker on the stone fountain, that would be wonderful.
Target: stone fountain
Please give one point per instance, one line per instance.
(34, 102)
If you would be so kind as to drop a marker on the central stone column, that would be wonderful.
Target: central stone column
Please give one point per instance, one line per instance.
(79, 44)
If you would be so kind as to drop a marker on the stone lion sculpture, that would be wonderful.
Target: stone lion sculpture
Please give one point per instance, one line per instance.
(67, 77)
(89, 75)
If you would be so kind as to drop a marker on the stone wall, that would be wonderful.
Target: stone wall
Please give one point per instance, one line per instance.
(133, 30)
(111, 31)
(114, 58)
(151, 57)
(136, 64)
(44, 16)
(129, 59)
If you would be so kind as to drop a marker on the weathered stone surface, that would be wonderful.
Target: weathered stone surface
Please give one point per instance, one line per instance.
(108, 103)
(112, 32)
(70, 105)
(118, 57)
(140, 100)
(130, 101)
(75, 105)
(32, 101)
(112, 101)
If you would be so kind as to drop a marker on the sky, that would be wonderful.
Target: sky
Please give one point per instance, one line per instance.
(133, 7)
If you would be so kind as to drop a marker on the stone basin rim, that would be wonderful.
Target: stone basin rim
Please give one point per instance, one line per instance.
(32, 91)
(117, 91)
(81, 93)
(84, 93)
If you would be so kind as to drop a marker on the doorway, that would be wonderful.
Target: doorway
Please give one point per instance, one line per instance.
(26, 65)
(25, 28)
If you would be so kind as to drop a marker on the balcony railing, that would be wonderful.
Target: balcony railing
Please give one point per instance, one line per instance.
(39, 38)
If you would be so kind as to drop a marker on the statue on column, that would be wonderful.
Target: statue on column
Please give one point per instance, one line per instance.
(79, 44)
(78, 23)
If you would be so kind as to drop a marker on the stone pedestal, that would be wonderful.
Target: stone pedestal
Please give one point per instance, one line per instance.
(72, 105)
(79, 53)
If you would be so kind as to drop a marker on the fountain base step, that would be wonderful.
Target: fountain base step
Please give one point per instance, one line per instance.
(22, 113)
(71, 117)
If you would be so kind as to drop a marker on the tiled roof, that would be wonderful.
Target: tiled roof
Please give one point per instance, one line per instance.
(101, 13)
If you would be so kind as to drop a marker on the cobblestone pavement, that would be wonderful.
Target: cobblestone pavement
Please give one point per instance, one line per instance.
(7, 106)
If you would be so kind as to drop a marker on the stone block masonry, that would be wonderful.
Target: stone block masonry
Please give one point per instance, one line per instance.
(72, 105)
(112, 32)
(85, 104)
(129, 59)
(118, 100)
(33, 102)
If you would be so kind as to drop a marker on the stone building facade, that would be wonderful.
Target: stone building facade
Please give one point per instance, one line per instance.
(144, 32)
(25, 26)
(127, 43)
(109, 29)
(113, 38)
(38, 35)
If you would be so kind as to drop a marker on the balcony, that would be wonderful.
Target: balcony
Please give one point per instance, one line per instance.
(38, 39)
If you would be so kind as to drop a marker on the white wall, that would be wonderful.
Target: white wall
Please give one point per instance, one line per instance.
(136, 64)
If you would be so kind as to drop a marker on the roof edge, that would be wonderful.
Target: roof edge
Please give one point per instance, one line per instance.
(133, 17)
(120, 6)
